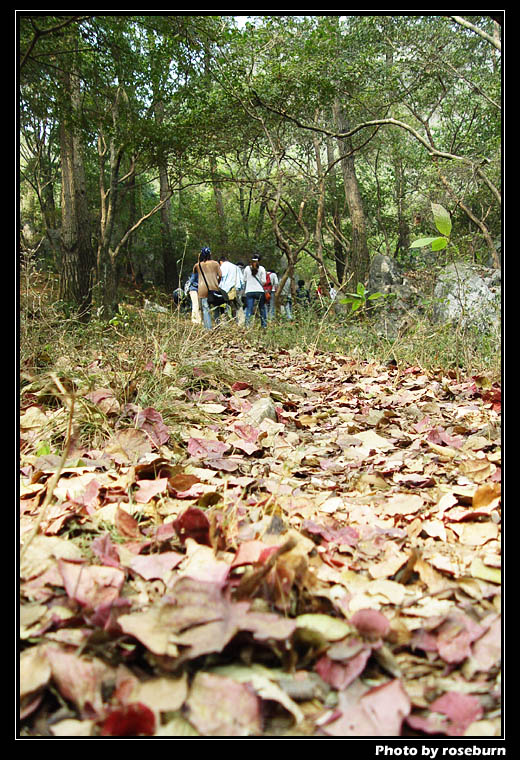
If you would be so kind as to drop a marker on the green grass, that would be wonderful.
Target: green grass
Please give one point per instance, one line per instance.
(160, 360)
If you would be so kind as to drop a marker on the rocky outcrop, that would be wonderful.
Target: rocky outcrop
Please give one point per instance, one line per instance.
(469, 296)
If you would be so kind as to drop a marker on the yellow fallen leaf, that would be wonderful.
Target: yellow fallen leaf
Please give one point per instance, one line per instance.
(487, 495)
(373, 440)
(212, 408)
(476, 534)
(326, 626)
(479, 570)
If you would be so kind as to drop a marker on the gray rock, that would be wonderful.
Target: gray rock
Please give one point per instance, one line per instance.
(391, 312)
(463, 296)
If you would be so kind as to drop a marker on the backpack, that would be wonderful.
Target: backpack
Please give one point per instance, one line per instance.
(268, 286)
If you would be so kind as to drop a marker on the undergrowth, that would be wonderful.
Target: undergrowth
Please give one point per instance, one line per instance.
(164, 361)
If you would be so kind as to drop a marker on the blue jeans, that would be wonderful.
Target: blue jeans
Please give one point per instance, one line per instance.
(288, 307)
(271, 310)
(254, 301)
(206, 315)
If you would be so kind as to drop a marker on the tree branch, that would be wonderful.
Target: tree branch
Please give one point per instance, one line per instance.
(485, 36)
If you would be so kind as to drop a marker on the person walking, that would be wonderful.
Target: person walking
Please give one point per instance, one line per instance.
(231, 283)
(271, 287)
(287, 299)
(303, 297)
(193, 287)
(209, 275)
(255, 277)
(241, 299)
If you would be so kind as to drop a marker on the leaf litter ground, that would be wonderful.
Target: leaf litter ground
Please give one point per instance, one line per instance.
(323, 560)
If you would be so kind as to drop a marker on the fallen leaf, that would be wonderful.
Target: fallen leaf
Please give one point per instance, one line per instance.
(151, 422)
(78, 679)
(193, 523)
(91, 585)
(378, 712)
(201, 447)
(148, 489)
(221, 706)
(130, 720)
(127, 446)
(263, 682)
(156, 565)
(476, 534)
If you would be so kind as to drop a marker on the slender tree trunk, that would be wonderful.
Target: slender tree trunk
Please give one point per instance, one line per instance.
(219, 203)
(77, 255)
(339, 248)
(359, 263)
(318, 237)
(403, 228)
(171, 275)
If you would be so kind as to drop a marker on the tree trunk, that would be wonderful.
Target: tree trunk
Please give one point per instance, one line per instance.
(219, 203)
(339, 249)
(359, 263)
(171, 275)
(320, 211)
(77, 255)
(403, 228)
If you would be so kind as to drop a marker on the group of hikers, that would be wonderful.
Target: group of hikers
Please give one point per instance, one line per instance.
(222, 289)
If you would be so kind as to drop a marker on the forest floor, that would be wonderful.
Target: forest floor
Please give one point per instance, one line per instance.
(311, 550)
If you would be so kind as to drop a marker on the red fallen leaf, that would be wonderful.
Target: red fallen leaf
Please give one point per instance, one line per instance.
(91, 585)
(151, 422)
(246, 446)
(460, 711)
(341, 675)
(105, 550)
(422, 425)
(220, 706)
(106, 614)
(126, 524)
(131, 720)
(344, 535)
(239, 404)
(493, 397)
(378, 712)
(371, 623)
(99, 395)
(231, 464)
(440, 436)
(202, 447)
(90, 498)
(164, 532)
(182, 482)
(455, 637)
(193, 523)
(246, 432)
(248, 553)
(239, 386)
(147, 489)
(155, 565)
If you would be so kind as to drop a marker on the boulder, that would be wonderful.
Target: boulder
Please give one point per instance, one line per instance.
(392, 312)
(466, 296)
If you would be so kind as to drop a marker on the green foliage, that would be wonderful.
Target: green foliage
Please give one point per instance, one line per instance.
(359, 299)
(442, 221)
(220, 85)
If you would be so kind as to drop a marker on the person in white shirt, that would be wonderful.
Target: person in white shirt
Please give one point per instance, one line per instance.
(232, 282)
(287, 299)
(271, 311)
(255, 277)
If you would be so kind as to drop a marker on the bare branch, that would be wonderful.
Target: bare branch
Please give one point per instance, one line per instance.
(485, 36)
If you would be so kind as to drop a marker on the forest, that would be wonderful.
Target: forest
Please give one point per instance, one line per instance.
(285, 529)
(315, 141)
